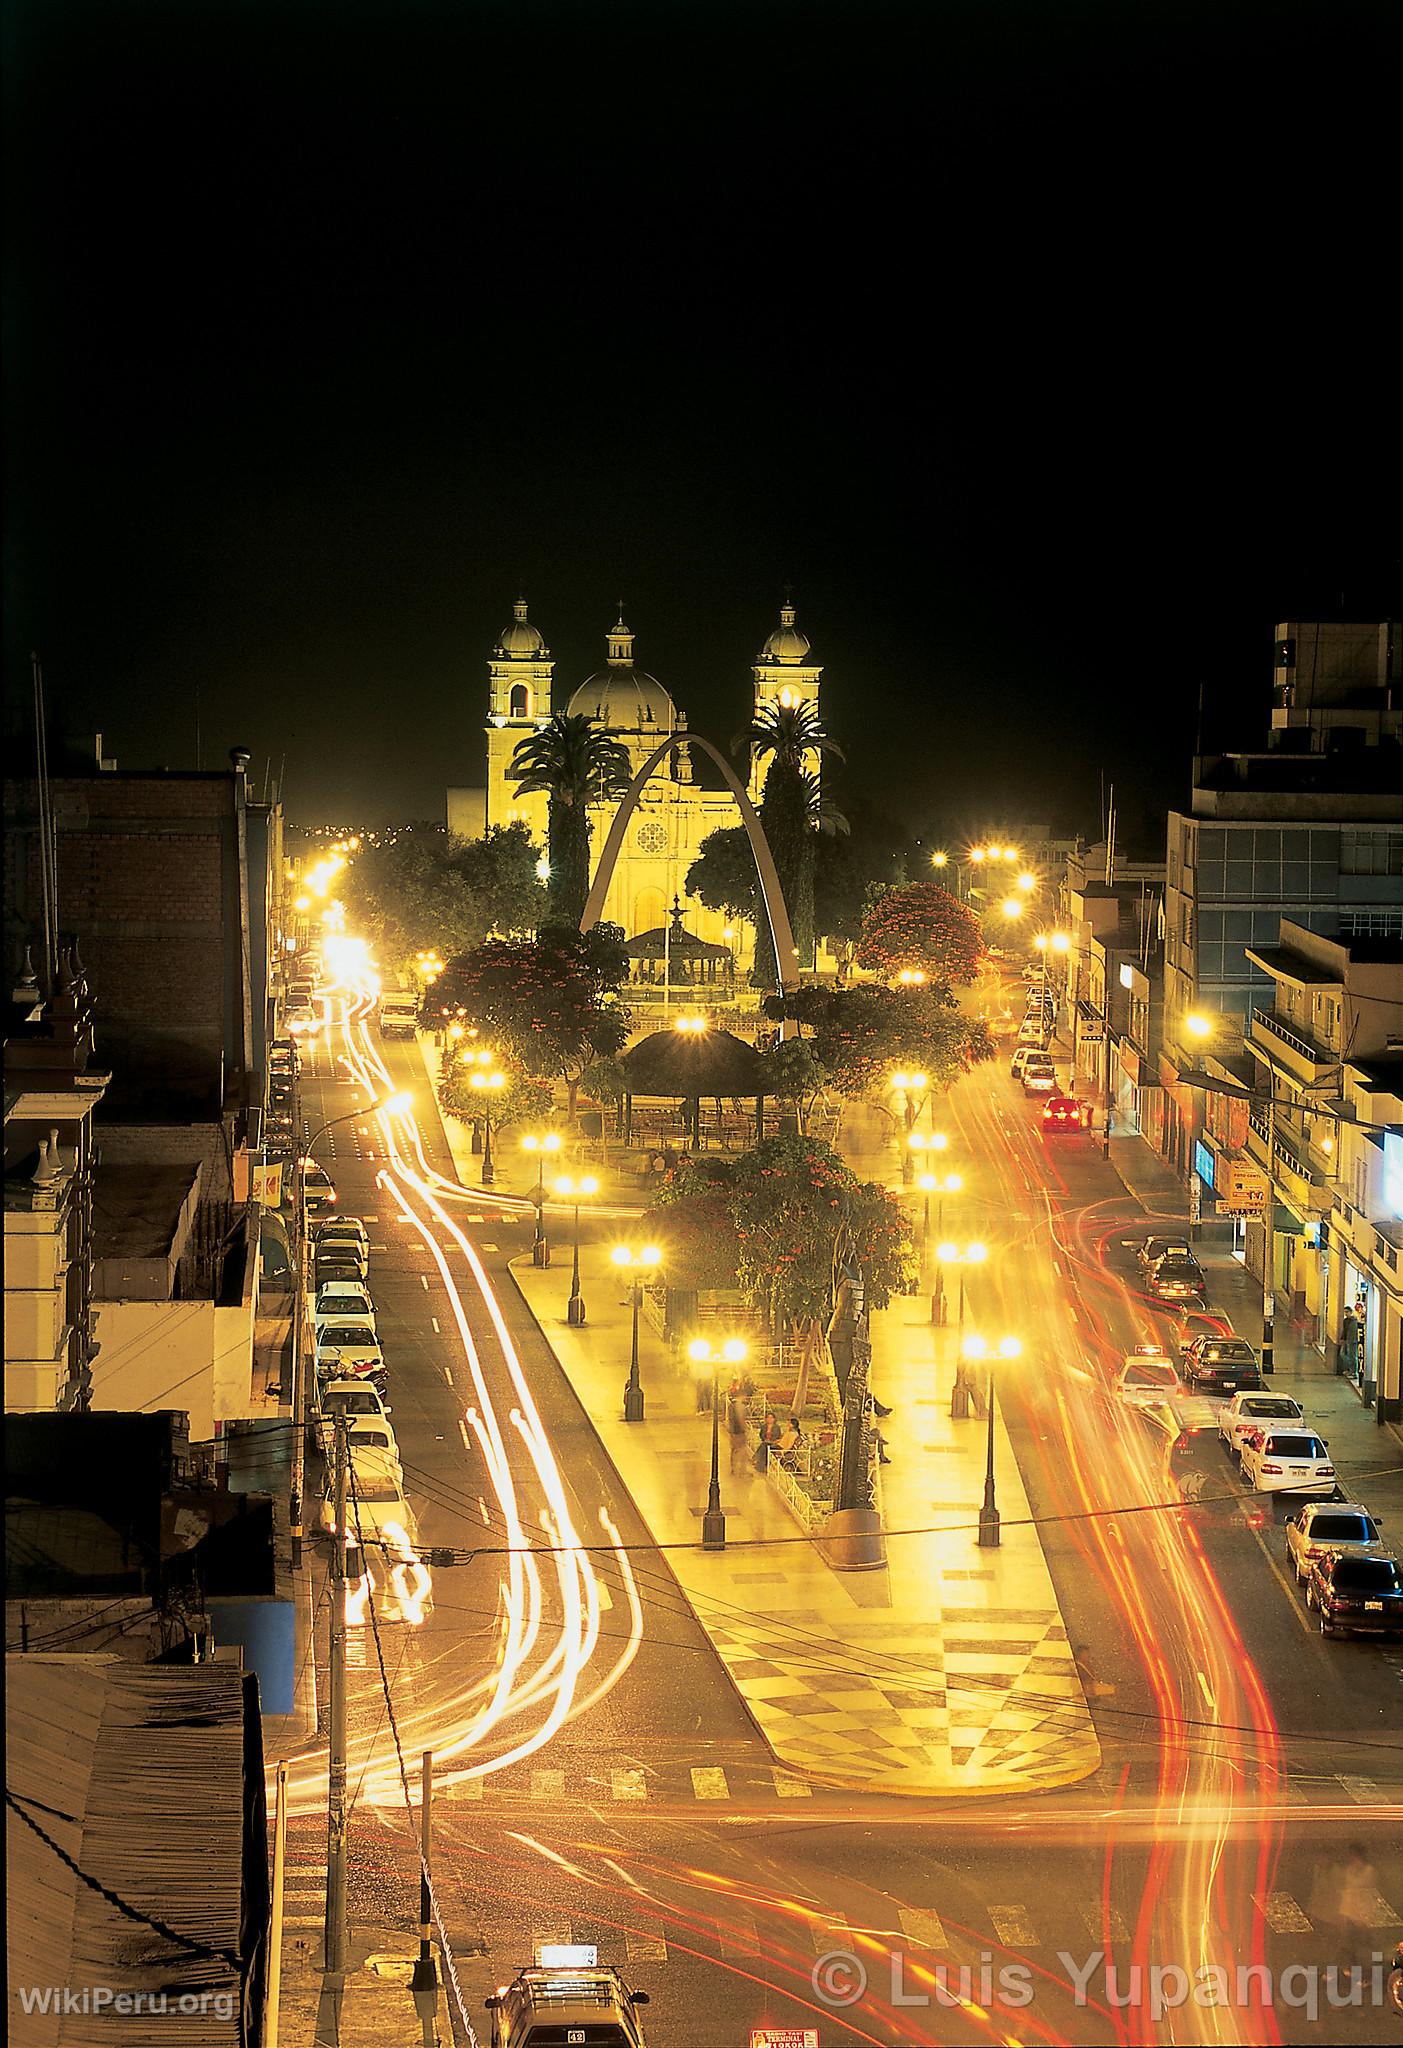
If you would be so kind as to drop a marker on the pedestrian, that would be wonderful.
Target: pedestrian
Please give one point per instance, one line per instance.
(735, 1428)
(1349, 1344)
(769, 1438)
(1359, 1891)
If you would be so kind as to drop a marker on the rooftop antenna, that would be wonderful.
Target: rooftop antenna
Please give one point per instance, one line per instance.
(1111, 836)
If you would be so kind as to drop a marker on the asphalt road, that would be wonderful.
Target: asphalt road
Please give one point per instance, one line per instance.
(653, 1824)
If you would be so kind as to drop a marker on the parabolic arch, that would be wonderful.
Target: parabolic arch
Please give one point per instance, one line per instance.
(775, 908)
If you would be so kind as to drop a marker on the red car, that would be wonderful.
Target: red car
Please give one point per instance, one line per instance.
(1064, 1116)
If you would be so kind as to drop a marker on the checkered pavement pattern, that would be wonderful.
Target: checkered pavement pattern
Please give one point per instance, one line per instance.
(969, 1700)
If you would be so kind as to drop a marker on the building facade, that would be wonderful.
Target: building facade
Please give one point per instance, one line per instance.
(676, 811)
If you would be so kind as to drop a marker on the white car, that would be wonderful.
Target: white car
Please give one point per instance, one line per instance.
(1251, 1411)
(339, 1313)
(343, 1344)
(1147, 1378)
(1153, 1249)
(352, 1398)
(1288, 1461)
(1038, 1075)
(1323, 1525)
(340, 1226)
(343, 1297)
(1030, 1055)
(370, 1433)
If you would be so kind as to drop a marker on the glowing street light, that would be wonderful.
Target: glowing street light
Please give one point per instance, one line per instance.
(1027, 883)
(911, 977)
(486, 1084)
(546, 1142)
(909, 1086)
(978, 1348)
(1198, 1026)
(576, 1191)
(939, 860)
(1012, 907)
(701, 1352)
(636, 1262)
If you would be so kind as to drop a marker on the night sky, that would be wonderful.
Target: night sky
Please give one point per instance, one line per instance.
(1043, 350)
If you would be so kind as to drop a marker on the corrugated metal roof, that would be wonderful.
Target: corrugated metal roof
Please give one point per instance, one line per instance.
(148, 1760)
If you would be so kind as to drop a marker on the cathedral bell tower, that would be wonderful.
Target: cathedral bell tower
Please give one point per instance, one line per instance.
(784, 676)
(519, 673)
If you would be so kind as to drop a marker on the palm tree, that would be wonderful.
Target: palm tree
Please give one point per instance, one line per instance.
(574, 763)
(791, 809)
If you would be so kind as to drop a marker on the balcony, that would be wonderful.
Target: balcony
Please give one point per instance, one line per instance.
(1284, 1048)
(1294, 1177)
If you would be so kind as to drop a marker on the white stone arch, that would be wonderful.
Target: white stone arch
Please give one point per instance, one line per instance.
(773, 895)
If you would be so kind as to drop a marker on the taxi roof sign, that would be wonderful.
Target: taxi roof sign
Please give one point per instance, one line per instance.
(560, 1955)
(784, 2037)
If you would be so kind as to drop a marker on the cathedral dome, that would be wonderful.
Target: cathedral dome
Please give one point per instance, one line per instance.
(786, 643)
(520, 638)
(623, 696)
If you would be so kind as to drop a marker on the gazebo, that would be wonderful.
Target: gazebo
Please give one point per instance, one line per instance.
(689, 1065)
(680, 954)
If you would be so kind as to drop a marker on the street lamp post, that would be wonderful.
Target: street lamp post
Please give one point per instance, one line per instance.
(703, 1353)
(645, 1259)
(487, 1084)
(973, 1348)
(565, 1188)
(939, 1185)
(953, 1255)
(548, 1141)
(910, 1086)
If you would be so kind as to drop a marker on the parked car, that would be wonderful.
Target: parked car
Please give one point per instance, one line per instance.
(349, 1342)
(1178, 1278)
(347, 1297)
(328, 1229)
(1065, 1117)
(1247, 1411)
(340, 1312)
(1287, 1461)
(345, 1261)
(1153, 1249)
(1221, 1365)
(567, 2002)
(351, 1397)
(1038, 1075)
(1147, 1378)
(1021, 1058)
(1321, 1526)
(1356, 1595)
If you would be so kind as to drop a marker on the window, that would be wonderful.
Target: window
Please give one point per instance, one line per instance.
(1371, 924)
(520, 701)
(1370, 853)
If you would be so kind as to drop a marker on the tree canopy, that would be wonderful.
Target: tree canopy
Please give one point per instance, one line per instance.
(857, 1035)
(772, 1223)
(428, 889)
(574, 763)
(549, 1004)
(924, 928)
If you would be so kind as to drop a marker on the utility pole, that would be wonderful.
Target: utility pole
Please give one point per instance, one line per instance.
(275, 1944)
(335, 1935)
(299, 1390)
(1269, 1244)
(424, 1983)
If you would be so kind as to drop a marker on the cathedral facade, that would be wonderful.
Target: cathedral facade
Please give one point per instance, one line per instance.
(675, 813)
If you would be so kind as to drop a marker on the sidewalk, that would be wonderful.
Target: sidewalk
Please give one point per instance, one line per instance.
(948, 1671)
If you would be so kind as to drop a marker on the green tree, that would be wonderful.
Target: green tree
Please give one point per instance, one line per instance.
(859, 1034)
(574, 763)
(922, 928)
(792, 1074)
(723, 874)
(549, 1004)
(852, 869)
(790, 812)
(499, 872)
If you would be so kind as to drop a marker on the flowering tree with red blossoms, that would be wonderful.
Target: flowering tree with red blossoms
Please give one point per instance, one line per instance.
(924, 928)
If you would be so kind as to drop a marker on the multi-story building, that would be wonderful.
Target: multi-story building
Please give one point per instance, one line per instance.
(52, 1087)
(171, 884)
(1327, 1053)
(1310, 830)
(1110, 916)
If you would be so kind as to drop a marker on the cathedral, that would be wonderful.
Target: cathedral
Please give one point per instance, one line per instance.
(675, 813)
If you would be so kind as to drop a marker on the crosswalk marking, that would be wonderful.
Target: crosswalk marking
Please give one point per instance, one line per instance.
(628, 1784)
(709, 1782)
(922, 1924)
(832, 1931)
(1098, 1923)
(296, 1920)
(1281, 1913)
(1379, 1912)
(1013, 1927)
(1363, 1791)
(644, 1946)
(461, 1788)
(548, 1784)
(790, 1787)
(737, 1935)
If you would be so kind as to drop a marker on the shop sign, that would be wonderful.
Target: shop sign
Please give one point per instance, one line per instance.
(1243, 1188)
(1203, 1163)
(784, 2037)
(268, 1184)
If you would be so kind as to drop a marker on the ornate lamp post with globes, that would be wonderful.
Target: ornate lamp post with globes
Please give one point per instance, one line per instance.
(566, 1188)
(702, 1352)
(635, 1262)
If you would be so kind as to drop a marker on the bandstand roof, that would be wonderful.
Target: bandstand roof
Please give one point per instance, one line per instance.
(688, 1063)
